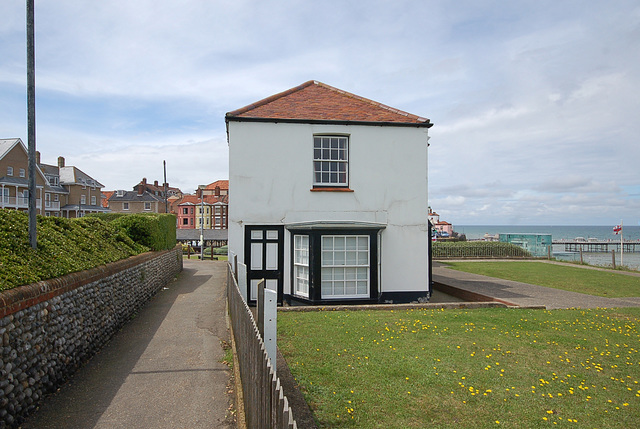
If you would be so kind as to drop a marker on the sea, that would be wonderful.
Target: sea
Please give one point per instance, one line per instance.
(563, 232)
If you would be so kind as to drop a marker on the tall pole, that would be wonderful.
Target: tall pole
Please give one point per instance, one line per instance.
(31, 121)
(166, 206)
(621, 244)
(201, 227)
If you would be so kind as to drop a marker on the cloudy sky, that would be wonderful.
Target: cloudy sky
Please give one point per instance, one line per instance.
(536, 104)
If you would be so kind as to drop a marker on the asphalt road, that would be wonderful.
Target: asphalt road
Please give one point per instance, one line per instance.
(162, 370)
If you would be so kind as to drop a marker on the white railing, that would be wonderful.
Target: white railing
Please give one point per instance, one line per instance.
(51, 205)
(20, 202)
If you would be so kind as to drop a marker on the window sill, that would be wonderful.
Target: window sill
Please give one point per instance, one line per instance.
(330, 189)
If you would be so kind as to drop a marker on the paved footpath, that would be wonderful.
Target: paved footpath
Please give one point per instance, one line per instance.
(524, 294)
(162, 370)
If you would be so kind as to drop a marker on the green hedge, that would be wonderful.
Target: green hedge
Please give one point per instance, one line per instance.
(64, 246)
(477, 249)
(153, 230)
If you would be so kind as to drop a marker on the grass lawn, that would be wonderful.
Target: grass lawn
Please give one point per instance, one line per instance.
(610, 284)
(466, 368)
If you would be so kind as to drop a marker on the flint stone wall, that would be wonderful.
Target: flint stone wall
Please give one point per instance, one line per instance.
(50, 328)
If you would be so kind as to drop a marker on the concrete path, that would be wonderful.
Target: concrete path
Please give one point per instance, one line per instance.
(523, 294)
(162, 370)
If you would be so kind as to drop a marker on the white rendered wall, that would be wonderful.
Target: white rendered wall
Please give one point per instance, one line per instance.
(271, 175)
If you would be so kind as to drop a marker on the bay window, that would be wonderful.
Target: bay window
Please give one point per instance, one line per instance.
(333, 264)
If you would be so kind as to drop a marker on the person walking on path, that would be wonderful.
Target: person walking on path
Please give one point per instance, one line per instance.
(164, 369)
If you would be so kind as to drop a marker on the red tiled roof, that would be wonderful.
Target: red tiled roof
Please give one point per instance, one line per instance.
(223, 184)
(316, 101)
(107, 195)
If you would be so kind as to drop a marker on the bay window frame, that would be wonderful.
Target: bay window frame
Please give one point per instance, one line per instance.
(315, 265)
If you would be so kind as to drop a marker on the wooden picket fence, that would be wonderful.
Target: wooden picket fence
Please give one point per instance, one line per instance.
(265, 405)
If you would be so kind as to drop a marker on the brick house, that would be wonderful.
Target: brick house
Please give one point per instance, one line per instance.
(211, 211)
(62, 190)
(139, 201)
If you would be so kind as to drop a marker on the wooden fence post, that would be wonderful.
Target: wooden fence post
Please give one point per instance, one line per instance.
(613, 258)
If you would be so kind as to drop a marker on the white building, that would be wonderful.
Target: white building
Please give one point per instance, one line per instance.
(329, 197)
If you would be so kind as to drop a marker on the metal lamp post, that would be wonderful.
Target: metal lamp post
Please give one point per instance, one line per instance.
(201, 227)
(31, 121)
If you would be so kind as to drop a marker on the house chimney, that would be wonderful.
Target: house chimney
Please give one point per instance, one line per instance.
(155, 183)
(37, 157)
(60, 162)
(217, 191)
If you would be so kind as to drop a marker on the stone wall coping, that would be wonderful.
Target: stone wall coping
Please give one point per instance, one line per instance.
(21, 297)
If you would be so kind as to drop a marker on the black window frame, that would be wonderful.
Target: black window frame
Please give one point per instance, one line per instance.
(315, 264)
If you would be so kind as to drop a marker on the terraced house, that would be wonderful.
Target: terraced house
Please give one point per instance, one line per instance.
(329, 197)
(62, 190)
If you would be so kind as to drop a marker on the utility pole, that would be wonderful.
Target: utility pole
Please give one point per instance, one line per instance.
(166, 186)
(31, 121)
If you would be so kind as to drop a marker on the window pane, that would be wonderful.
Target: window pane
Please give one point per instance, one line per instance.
(362, 288)
(363, 243)
(352, 243)
(339, 243)
(338, 258)
(363, 258)
(351, 258)
(334, 143)
(350, 288)
(326, 154)
(342, 178)
(327, 258)
(327, 289)
(327, 243)
(317, 154)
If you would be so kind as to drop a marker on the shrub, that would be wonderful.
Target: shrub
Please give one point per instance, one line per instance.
(477, 249)
(64, 246)
(153, 230)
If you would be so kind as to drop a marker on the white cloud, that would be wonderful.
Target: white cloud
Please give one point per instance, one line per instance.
(534, 102)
